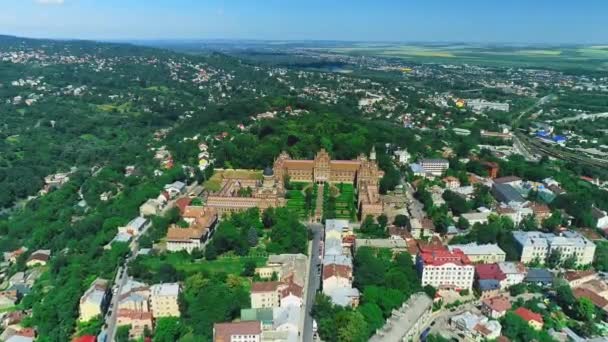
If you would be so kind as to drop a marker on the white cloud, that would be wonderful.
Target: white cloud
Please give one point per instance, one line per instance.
(50, 2)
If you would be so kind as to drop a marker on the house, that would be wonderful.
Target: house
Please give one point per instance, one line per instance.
(287, 267)
(577, 278)
(476, 326)
(94, 300)
(265, 294)
(176, 188)
(244, 331)
(443, 269)
(534, 320)
(601, 218)
(202, 221)
(488, 288)
(421, 228)
(474, 218)
(539, 276)
(164, 300)
(8, 299)
(506, 193)
(599, 301)
(134, 227)
(150, 208)
(85, 338)
(137, 320)
(402, 156)
(487, 253)
(134, 296)
(436, 167)
(509, 180)
(14, 255)
(38, 258)
(395, 245)
(495, 307)
(451, 182)
(515, 272)
(490, 272)
(335, 276)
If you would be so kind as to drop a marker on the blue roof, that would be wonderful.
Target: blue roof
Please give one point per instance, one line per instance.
(559, 138)
(539, 275)
(489, 284)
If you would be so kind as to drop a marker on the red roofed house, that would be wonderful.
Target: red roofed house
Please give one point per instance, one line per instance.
(275, 294)
(335, 276)
(138, 321)
(441, 268)
(85, 338)
(534, 320)
(182, 203)
(495, 307)
(247, 331)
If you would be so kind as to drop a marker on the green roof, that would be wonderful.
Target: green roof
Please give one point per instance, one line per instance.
(263, 315)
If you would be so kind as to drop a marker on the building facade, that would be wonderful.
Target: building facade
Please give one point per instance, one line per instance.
(488, 253)
(443, 269)
(538, 246)
(164, 300)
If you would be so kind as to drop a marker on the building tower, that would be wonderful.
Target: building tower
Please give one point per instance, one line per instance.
(372, 154)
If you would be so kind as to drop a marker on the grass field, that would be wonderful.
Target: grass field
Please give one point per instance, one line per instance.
(229, 264)
(558, 57)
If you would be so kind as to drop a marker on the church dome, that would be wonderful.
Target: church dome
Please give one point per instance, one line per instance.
(268, 172)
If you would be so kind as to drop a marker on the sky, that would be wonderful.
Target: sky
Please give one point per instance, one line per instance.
(485, 21)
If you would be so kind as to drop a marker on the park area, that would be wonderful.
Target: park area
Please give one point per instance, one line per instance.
(300, 198)
(339, 201)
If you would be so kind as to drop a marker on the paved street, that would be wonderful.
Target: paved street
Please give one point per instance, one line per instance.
(313, 280)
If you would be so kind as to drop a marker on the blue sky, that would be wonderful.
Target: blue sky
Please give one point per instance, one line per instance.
(529, 21)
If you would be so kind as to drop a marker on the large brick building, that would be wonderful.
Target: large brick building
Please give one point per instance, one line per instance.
(363, 172)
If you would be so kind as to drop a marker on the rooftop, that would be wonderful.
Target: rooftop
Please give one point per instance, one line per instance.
(404, 319)
(499, 304)
(224, 331)
(475, 249)
(165, 289)
(528, 315)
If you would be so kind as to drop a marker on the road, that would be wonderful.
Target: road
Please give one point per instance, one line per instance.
(122, 275)
(313, 280)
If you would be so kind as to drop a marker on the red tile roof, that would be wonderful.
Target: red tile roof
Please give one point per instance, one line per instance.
(597, 300)
(575, 275)
(528, 315)
(438, 257)
(265, 286)
(489, 271)
(499, 304)
(182, 203)
(222, 332)
(341, 271)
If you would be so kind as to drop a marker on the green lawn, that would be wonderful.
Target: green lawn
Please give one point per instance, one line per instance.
(228, 264)
(297, 199)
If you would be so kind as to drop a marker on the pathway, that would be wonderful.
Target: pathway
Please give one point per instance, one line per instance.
(318, 216)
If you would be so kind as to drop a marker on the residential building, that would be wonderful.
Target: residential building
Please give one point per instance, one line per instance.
(601, 218)
(485, 272)
(285, 266)
(134, 227)
(505, 193)
(38, 258)
(150, 208)
(442, 269)
(436, 167)
(265, 294)
(402, 157)
(474, 218)
(538, 246)
(476, 326)
(488, 253)
(495, 307)
(202, 222)
(94, 300)
(395, 245)
(451, 182)
(406, 323)
(244, 331)
(534, 320)
(539, 276)
(577, 278)
(134, 296)
(176, 188)
(164, 300)
(138, 321)
(488, 288)
(421, 228)
(515, 272)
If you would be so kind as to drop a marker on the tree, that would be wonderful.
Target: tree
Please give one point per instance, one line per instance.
(430, 291)
(249, 268)
(210, 252)
(252, 237)
(570, 262)
(401, 221)
(382, 221)
(351, 326)
(585, 309)
(122, 333)
(462, 223)
(168, 329)
(553, 259)
(373, 316)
